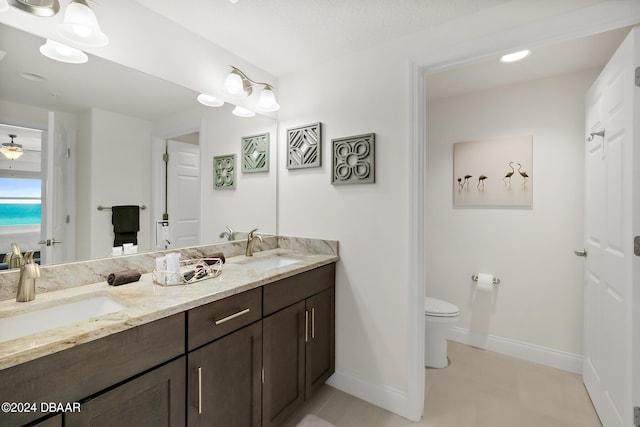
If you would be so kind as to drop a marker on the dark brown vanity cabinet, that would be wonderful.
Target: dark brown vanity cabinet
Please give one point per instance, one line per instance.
(247, 360)
(225, 375)
(115, 362)
(55, 421)
(153, 399)
(298, 341)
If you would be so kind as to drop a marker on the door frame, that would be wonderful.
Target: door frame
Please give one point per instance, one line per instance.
(581, 23)
(158, 143)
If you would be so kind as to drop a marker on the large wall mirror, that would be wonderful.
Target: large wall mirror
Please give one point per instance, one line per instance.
(96, 135)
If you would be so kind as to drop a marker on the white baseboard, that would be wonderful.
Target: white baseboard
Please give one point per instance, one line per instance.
(533, 353)
(385, 397)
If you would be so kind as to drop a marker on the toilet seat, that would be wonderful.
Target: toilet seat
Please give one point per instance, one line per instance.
(438, 308)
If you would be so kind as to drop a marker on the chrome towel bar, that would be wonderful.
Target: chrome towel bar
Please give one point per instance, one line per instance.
(102, 208)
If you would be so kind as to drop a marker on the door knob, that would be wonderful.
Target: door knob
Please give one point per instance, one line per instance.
(582, 252)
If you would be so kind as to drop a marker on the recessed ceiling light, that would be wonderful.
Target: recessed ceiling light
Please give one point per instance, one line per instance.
(516, 56)
(33, 77)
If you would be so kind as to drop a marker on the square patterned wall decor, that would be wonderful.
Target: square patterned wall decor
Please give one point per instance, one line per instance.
(255, 153)
(224, 172)
(304, 146)
(354, 159)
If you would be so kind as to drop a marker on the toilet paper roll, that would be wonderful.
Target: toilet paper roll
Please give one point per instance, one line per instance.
(485, 282)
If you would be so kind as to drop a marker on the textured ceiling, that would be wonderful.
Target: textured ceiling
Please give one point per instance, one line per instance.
(282, 36)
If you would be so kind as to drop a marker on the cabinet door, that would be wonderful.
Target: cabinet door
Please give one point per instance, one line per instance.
(225, 381)
(155, 399)
(283, 355)
(50, 422)
(320, 346)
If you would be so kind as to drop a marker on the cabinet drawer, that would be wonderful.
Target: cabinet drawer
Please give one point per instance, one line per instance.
(219, 318)
(285, 292)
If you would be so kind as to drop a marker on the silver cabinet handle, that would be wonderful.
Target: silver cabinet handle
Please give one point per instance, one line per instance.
(233, 316)
(582, 252)
(306, 326)
(199, 391)
(313, 322)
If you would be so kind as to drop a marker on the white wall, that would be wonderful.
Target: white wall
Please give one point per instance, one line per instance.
(539, 300)
(115, 161)
(369, 220)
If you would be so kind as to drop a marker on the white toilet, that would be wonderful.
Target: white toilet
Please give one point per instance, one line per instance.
(438, 317)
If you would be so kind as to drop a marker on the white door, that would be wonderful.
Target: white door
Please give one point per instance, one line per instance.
(609, 197)
(58, 195)
(183, 196)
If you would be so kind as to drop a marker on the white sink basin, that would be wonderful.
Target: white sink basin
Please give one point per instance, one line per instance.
(269, 263)
(65, 313)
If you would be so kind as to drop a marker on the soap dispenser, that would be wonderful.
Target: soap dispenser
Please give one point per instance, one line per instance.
(29, 272)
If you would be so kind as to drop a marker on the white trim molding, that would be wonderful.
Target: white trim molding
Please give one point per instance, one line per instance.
(385, 397)
(531, 352)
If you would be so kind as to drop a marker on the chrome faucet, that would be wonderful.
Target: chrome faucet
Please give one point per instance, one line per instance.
(251, 241)
(29, 272)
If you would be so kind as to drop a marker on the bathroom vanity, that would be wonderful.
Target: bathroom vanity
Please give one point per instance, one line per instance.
(244, 349)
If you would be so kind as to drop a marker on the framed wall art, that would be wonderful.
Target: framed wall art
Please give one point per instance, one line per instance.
(255, 153)
(493, 172)
(353, 160)
(304, 146)
(224, 172)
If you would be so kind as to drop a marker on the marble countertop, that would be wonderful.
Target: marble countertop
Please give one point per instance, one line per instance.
(144, 302)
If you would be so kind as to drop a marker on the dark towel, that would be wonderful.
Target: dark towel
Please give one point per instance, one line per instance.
(123, 277)
(216, 255)
(126, 224)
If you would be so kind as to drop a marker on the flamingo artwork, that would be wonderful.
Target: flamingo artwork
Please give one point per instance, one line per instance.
(466, 180)
(523, 174)
(509, 175)
(481, 179)
(460, 186)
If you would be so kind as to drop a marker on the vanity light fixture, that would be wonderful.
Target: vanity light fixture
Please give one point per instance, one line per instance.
(238, 85)
(61, 52)
(210, 100)
(242, 112)
(11, 150)
(516, 56)
(80, 26)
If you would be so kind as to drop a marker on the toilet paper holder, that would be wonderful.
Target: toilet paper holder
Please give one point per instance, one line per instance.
(495, 280)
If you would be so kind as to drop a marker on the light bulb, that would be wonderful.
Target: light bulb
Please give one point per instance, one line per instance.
(242, 112)
(209, 100)
(80, 26)
(234, 85)
(61, 52)
(268, 101)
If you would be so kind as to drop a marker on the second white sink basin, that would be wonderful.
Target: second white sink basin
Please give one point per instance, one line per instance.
(269, 263)
(64, 313)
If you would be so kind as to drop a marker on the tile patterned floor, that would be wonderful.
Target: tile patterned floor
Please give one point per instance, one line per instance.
(479, 388)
